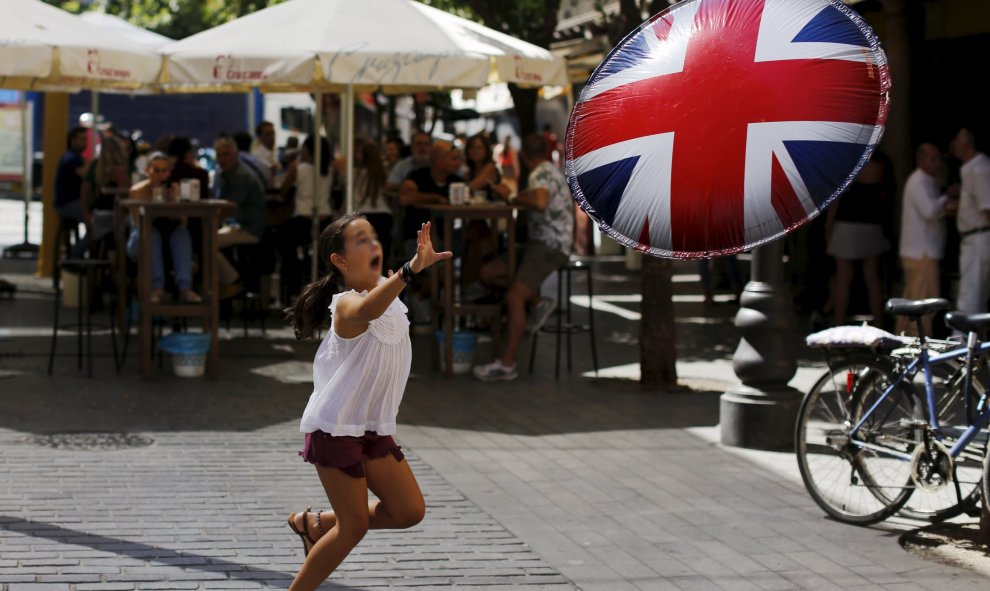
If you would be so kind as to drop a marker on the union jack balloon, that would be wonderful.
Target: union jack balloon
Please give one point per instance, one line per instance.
(719, 125)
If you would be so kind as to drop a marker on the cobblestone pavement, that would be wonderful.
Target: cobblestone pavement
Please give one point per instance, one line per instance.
(205, 510)
(579, 483)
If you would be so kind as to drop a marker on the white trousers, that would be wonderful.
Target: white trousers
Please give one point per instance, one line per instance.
(974, 273)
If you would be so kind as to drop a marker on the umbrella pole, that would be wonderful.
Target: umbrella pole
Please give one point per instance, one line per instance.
(94, 111)
(317, 159)
(250, 110)
(24, 249)
(348, 112)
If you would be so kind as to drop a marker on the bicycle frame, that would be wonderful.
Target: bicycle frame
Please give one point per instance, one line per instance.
(924, 361)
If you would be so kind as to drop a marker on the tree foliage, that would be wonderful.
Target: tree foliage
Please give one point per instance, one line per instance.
(532, 21)
(173, 18)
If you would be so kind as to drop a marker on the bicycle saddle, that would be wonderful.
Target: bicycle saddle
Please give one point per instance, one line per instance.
(914, 308)
(968, 322)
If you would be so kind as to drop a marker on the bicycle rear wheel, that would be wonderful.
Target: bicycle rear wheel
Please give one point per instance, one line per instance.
(853, 484)
(961, 492)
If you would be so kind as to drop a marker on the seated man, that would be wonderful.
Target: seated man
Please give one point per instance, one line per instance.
(419, 158)
(259, 167)
(551, 238)
(68, 186)
(179, 241)
(426, 186)
(247, 222)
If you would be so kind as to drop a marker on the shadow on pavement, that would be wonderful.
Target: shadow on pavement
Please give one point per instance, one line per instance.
(542, 407)
(259, 385)
(157, 555)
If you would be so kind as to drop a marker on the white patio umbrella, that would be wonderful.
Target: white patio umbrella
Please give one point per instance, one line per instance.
(136, 36)
(343, 45)
(45, 48)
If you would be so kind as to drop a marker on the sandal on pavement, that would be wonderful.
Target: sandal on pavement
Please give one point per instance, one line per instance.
(304, 534)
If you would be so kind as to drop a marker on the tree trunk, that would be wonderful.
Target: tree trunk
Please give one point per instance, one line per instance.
(657, 335)
(525, 104)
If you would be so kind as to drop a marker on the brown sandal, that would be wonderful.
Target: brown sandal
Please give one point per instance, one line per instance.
(304, 534)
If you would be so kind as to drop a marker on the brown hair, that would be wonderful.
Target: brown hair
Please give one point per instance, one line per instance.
(309, 314)
(474, 167)
(374, 167)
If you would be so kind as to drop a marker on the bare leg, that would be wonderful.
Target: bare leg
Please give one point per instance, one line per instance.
(400, 503)
(843, 283)
(871, 275)
(515, 303)
(400, 506)
(495, 273)
(349, 498)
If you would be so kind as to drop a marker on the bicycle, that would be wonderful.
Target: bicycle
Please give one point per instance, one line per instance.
(869, 444)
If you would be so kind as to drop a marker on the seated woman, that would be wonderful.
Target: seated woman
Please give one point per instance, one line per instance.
(179, 240)
(482, 177)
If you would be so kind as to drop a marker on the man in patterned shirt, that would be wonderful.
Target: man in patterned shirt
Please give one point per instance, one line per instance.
(551, 238)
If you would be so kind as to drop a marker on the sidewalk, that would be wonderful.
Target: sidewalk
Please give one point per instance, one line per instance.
(124, 483)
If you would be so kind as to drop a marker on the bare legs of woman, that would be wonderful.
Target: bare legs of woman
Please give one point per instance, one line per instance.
(844, 270)
(400, 506)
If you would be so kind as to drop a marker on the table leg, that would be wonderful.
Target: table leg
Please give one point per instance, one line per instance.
(144, 293)
(448, 297)
(210, 279)
(510, 229)
(435, 307)
(120, 269)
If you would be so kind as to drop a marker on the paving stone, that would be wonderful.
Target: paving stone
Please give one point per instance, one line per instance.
(540, 484)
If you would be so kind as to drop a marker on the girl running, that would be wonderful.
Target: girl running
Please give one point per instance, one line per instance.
(359, 375)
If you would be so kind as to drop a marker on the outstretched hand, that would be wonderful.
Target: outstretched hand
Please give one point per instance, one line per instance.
(425, 255)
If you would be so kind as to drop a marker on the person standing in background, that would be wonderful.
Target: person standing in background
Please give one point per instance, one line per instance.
(973, 222)
(923, 233)
(264, 146)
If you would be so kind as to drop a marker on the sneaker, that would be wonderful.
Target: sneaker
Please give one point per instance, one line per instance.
(495, 372)
(540, 314)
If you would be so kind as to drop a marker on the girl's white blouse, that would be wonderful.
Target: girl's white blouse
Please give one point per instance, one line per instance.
(358, 383)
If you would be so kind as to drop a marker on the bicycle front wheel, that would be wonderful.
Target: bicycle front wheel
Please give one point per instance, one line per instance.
(853, 483)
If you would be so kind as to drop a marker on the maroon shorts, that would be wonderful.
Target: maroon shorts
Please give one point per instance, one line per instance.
(348, 453)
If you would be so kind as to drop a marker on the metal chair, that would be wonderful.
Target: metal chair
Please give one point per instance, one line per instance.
(87, 271)
(564, 324)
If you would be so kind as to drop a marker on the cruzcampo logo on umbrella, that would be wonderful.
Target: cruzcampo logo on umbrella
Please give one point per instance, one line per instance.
(719, 125)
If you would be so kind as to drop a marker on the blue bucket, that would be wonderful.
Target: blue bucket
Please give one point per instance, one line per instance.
(188, 351)
(463, 343)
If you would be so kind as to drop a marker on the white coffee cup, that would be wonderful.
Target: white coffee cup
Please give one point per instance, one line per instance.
(458, 193)
(193, 189)
(184, 190)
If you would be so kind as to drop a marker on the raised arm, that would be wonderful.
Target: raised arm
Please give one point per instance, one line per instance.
(356, 310)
